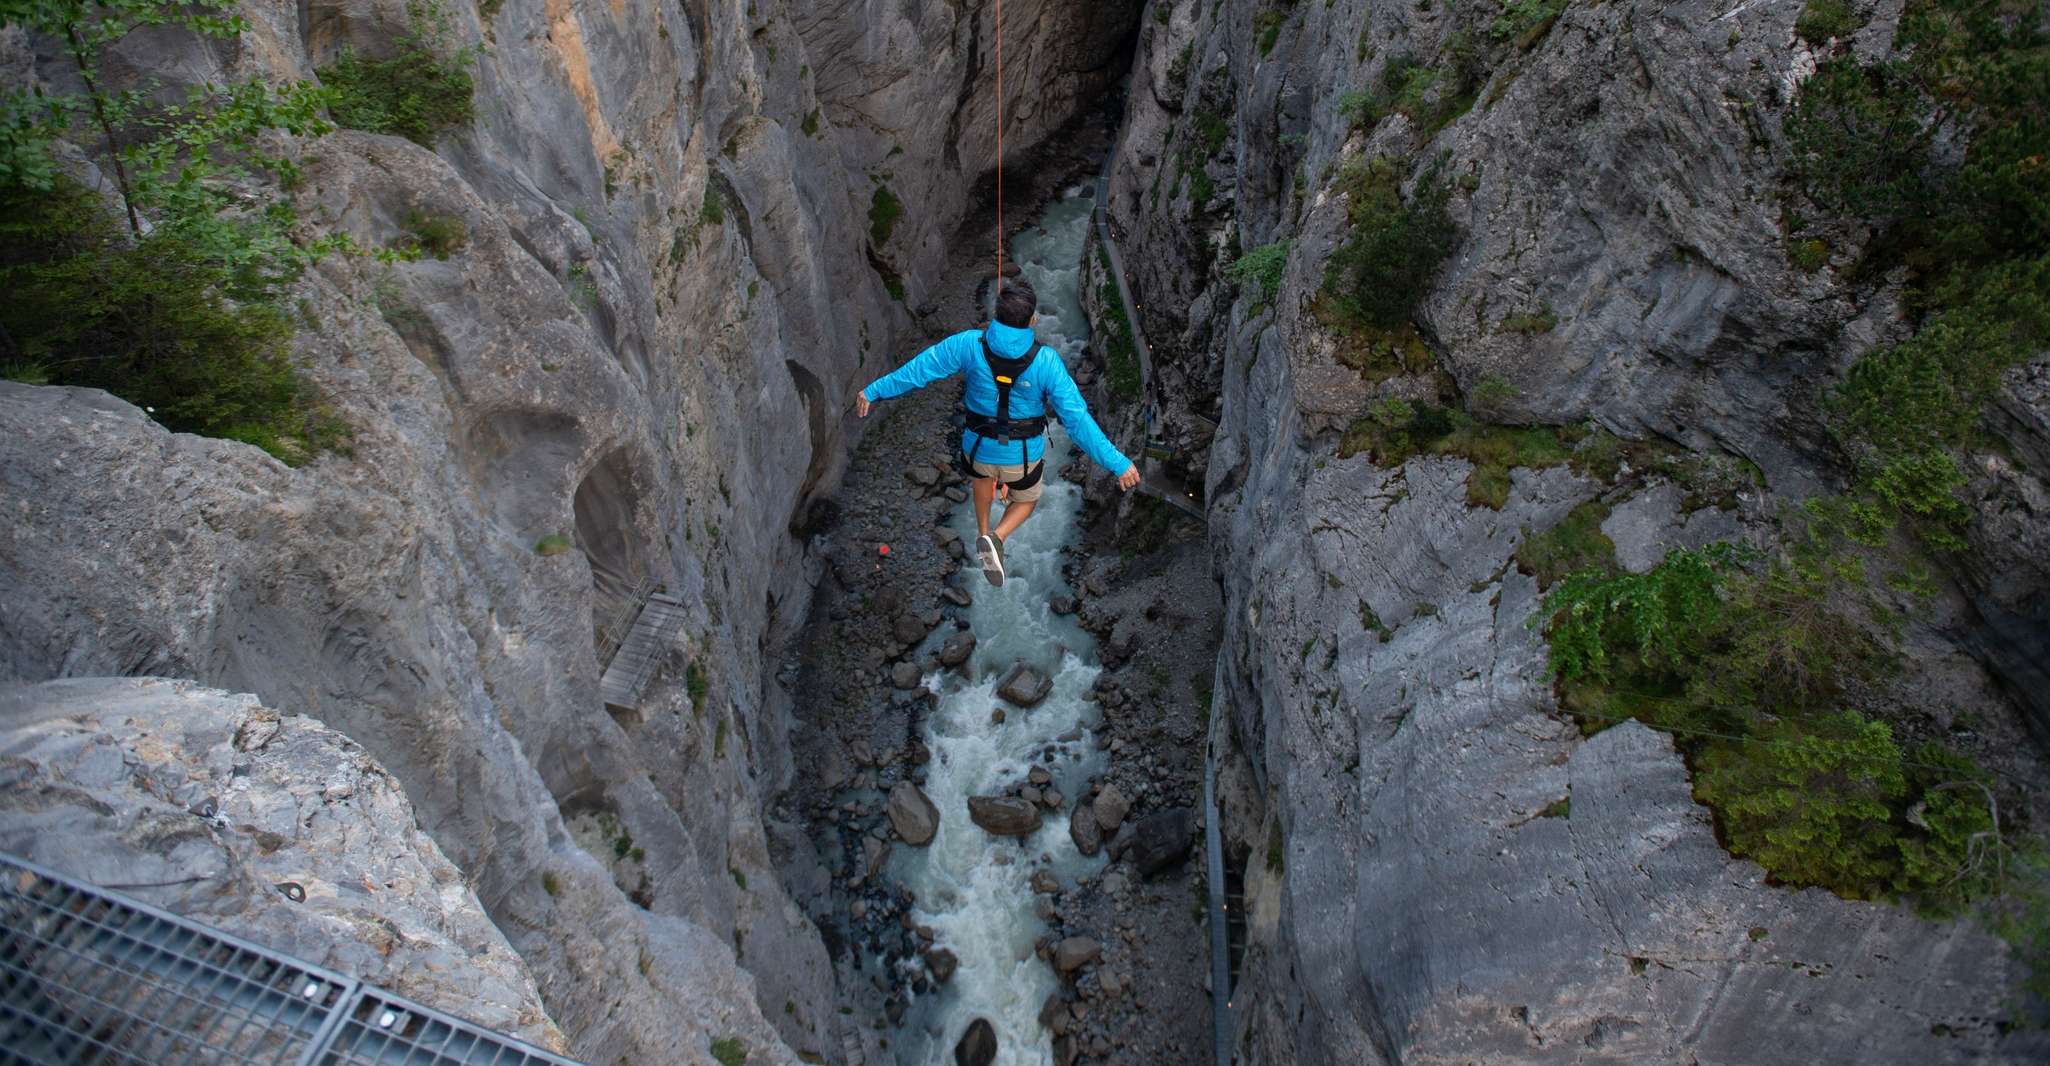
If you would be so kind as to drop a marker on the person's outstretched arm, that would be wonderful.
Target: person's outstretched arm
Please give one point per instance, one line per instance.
(942, 360)
(1073, 412)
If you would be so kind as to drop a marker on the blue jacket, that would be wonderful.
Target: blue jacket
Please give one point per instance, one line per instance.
(1044, 384)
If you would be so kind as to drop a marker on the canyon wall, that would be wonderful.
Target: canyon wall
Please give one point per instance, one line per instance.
(633, 370)
(1440, 867)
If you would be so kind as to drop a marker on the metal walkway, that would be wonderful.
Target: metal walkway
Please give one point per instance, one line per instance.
(89, 977)
(634, 644)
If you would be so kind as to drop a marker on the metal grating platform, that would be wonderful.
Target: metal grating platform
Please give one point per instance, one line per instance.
(89, 977)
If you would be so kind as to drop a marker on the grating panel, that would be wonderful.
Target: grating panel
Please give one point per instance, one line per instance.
(89, 977)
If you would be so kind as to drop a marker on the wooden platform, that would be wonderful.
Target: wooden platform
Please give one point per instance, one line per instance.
(649, 637)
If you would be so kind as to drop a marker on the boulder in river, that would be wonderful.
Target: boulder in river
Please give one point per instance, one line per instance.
(1111, 807)
(1074, 953)
(1088, 836)
(978, 1046)
(1161, 840)
(910, 629)
(1025, 685)
(904, 675)
(1006, 816)
(957, 649)
(942, 963)
(912, 815)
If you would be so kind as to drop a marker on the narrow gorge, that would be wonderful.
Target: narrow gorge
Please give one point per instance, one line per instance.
(1587, 601)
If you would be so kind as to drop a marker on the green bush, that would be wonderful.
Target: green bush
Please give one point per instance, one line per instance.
(1267, 26)
(1810, 255)
(154, 321)
(417, 93)
(1821, 20)
(884, 209)
(1114, 332)
(1386, 265)
(1576, 544)
(1396, 431)
(1538, 322)
(1524, 23)
(553, 544)
(729, 1051)
(437, 235)
(1811, 800)
(1263, 265)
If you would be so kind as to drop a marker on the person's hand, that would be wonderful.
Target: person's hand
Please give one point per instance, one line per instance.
(1129, 480)
(861, 404)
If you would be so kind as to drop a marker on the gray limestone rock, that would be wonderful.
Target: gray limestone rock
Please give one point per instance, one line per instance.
(1025, 685)
(904, 676)
(911, 814)
(1161, 841)
(1075, 952)
(1004, 815)
(1083, 830)
(978, 1044)
(1110, 808)
(957, 649)
(206, 801)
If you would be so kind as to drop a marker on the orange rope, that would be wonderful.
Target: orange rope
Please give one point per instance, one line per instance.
(1000, 146)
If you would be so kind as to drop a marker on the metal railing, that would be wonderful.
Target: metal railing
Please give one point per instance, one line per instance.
(91, 977)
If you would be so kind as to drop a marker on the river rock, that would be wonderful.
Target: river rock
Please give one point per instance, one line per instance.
(1074, 953)
(978, 1046)
(957, 649)
(958, 597)
(1004, 815)
(904, 675)
(910, 629)
(1110, 808)
(1063, 604)
(942, 963)
(1026, 685)
(1045, 882)
(996, 717)
(1161, 840)
(924, 477)
(913, 815)
(1038, 775)
(1083, 830)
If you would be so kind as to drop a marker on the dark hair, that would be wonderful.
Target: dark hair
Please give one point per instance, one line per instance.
(1016, 303)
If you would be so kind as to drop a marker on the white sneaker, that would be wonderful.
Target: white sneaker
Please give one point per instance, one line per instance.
(991, 551)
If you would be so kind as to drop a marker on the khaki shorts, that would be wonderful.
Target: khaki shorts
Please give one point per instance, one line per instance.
(1009, 474)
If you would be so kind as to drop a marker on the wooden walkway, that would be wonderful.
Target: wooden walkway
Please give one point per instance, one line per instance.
(657, 618)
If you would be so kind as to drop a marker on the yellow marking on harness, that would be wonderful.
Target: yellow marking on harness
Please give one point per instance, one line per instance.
(1002, 380)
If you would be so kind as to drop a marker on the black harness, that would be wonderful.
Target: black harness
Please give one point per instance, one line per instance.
(1002, 429)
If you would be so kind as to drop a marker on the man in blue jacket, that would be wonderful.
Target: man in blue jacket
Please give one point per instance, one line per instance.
(1013, 381)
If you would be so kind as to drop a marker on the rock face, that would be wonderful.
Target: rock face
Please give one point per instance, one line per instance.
(1381, 697)
(912, 815)
(1005, 816)
(210, 801)
(668, 287)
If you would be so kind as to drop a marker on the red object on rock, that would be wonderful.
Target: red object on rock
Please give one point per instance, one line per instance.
(882, 549)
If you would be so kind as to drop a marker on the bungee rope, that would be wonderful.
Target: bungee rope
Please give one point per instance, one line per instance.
(999, 33)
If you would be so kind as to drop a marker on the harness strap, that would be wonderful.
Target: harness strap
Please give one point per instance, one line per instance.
(1002, 428)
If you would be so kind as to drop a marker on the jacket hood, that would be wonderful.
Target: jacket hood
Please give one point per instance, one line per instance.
(1009, 341)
